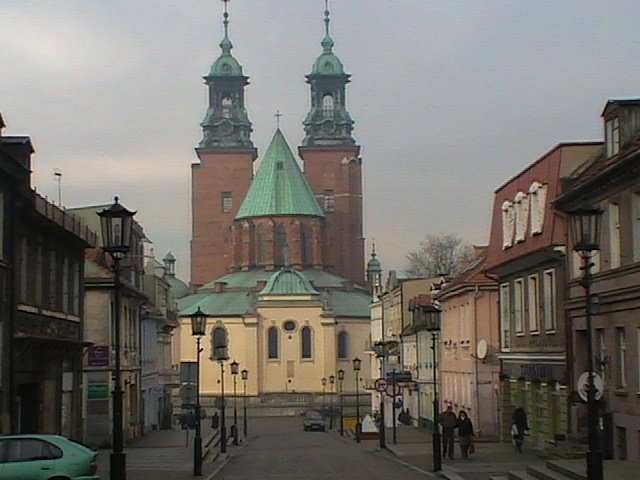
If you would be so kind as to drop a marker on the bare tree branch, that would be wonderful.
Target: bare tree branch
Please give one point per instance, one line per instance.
(439, 255)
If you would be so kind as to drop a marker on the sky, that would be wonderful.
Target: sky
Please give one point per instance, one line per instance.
(450, 98)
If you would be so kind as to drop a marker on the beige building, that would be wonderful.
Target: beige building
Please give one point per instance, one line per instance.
(469, 344)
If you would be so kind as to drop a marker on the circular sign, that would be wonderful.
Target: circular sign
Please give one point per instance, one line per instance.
(393, 390)
(380, 385)
(583, 386)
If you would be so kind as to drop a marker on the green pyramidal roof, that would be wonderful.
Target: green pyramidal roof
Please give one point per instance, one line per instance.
(279, 187)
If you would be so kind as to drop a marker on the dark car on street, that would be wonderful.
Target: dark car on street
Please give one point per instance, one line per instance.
(313, 420)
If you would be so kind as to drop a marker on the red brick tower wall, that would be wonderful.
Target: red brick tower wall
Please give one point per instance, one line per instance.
(224, 170)
(339, 169)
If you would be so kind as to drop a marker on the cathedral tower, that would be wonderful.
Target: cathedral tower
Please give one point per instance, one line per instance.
(221, 179)
(332, 164)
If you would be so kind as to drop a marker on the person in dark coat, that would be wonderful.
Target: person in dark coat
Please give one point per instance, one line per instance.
(519, 427)
(465, 432)
(449, 422)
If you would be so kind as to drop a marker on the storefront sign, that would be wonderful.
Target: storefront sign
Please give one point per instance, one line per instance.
(536, 371)
(98, 356)
(98, 391)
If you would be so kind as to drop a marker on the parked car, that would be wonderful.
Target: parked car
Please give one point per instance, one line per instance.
(46, 457)
(313, 420)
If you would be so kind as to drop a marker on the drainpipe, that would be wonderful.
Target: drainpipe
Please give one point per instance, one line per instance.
(476, 295)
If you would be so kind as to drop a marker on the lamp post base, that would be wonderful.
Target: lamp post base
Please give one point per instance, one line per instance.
(594, 465)
(118, 466)
(437, 453)
(197, 456)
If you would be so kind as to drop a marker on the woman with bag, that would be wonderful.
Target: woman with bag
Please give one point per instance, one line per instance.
(519, 427)
(465, 432)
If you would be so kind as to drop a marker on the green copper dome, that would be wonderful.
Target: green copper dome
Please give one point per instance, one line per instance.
(279, 187)
(226, 65)
(374, 265)
(328, 64)
(288, 282)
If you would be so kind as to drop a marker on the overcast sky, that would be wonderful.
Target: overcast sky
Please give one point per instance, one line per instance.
(450, 98)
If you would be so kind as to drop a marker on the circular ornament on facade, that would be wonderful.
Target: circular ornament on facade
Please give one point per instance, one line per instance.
(328, 126)
(289, 326)
(226, 128)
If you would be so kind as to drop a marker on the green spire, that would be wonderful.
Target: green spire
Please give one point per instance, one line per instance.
(279, 187)
(327, 41)
(327, 63)
(225, 64)
(374, 266)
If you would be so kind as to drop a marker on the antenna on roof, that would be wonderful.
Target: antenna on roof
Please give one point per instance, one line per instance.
(57, 173)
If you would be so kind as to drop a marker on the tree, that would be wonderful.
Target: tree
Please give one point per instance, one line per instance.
(439, 255)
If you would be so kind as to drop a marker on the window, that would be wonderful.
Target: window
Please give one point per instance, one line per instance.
(289, 325)
(538, 195)
(227, 202)
(342, 345)
(227, 103)
(327, 106)
(621, 443)
(219, 337)
(518, 305)
(262, 243)
(534, 303)
(522, 216)
(635, 217)
(505, 317)
(281, 245)
(612, 136)
(306, 342)
(621, 350)
(272, 341)
(329, 201)
(549, 299)
(508, 224)
(304, 246)
(25, 450)
(614, 235)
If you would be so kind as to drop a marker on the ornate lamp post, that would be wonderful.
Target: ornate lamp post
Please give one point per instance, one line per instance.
(220, 355)
(585, 231)
(117, 222)
(324, 386)
(332, 381)
(245, 376)
(340, 380)
(356, 368)
(380, 349)
(198, 326)
(234, 372)
(431, 315)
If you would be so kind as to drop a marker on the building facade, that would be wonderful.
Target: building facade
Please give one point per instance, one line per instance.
(611, 180)
(43, 322)
(526, 255)
(469, 364)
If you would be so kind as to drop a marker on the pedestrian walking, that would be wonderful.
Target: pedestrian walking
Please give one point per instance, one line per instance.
(449, 422)
(519, 427)
(465, 433)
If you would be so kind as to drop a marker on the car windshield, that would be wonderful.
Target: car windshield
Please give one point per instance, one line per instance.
(313, 415)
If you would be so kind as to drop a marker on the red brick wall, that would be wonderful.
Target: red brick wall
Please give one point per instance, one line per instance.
(211, 241)
(339, 169)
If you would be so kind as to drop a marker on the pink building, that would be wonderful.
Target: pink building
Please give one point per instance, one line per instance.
(470, 342)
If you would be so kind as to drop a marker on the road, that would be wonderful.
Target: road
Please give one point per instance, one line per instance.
(280, 449)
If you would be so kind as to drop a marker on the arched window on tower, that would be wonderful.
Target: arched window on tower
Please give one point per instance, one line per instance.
(342, 345)
(227, 103)
(272, 341)
(328, 106)
(281, 245)
(304, 245)
(305, 335)
(261, 244)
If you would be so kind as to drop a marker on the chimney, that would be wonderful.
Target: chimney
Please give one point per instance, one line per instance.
(218, 287)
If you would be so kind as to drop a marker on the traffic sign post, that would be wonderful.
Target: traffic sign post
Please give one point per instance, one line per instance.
(380, 385)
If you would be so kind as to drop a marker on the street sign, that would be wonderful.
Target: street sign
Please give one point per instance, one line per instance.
(583, 386)
(98, 356)
(380, 385)
(394, 390)
(188, 393)
(98, 391)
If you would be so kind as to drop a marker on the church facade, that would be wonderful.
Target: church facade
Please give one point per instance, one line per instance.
(277, 258)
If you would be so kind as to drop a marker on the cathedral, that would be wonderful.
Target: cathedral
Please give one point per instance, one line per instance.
(277, 257)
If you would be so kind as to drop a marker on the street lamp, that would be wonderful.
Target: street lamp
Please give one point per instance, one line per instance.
(324, 386)
(356, 368)
(332, 381)
(198, 326)
(220, 354)
(245, 377)
(380, 349)
(585, 231)
(431, 318)
(117, 222)
(340, 380)
(234, 372)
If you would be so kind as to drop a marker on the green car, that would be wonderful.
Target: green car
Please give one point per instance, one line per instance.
(45, 457)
